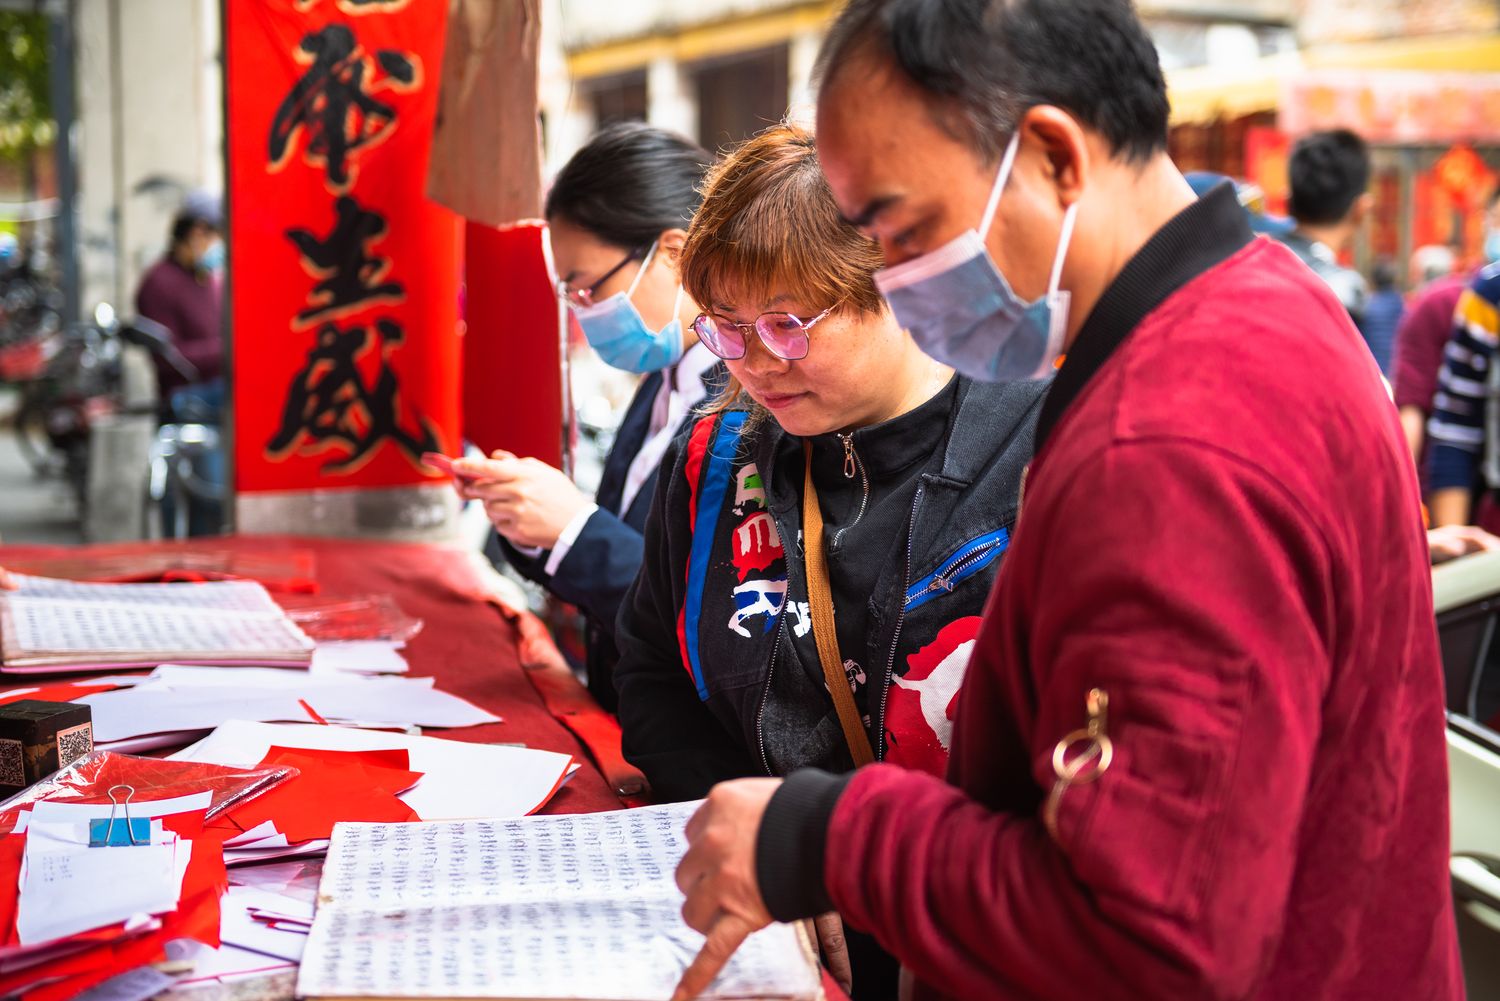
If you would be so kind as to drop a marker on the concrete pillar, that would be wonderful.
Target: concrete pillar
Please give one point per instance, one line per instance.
(671, 100)
(118, 473)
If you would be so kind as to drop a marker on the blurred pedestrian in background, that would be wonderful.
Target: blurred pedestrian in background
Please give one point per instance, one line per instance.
(1328, 175)
(1383, 314)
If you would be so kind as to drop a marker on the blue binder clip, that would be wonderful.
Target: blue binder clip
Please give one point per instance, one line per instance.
(107, 834)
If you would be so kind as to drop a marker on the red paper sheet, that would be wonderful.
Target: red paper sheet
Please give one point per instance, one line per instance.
(331, 786)
(53, 693)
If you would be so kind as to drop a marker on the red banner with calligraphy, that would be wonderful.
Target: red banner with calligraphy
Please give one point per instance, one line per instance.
(344, 277)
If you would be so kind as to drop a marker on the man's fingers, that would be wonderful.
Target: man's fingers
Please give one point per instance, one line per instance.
(700, 907)
(728, 932)
(7, 582)
(697, 820)
(489, 491)
(488, 470)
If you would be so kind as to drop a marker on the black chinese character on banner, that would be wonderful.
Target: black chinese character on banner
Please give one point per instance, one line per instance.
(351, 276)
(333, 103)
(329, 405)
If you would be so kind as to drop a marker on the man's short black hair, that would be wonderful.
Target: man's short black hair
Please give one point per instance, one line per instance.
(1327, 173)
(988, 61)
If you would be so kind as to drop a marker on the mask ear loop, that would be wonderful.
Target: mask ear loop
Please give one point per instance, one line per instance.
(636, 281)
(1006, 162)
(1063, 240)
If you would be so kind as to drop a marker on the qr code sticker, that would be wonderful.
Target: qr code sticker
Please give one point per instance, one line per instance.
(74, 743)
(12, 763)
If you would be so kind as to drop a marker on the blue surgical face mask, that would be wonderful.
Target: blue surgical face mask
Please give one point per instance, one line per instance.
(616, 330)
(959, 308)
(212, 259)
(1492, 246)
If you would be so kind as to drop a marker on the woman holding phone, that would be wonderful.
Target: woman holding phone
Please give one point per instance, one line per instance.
(617, 216)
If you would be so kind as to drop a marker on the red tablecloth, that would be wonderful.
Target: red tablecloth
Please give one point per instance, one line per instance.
(467, 644)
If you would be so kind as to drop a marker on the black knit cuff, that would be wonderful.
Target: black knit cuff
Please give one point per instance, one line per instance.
(789, 849)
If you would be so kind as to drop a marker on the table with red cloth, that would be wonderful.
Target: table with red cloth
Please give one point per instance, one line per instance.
(466, 643)
(499, 658)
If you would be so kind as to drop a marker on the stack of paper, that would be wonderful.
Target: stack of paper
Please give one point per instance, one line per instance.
(579, 907)
(267, 914)
(177, 703)
(46, 624)
(94, 896)
(459, 780)
(297, 816)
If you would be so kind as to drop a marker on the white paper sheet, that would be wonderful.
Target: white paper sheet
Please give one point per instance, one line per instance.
(546, 907)
(66, 889)
(54, 812)
(182, 701)
(191, 676)
(359, 657)
(459, 781)
(227, 963)
(255, 855)
(239, 928)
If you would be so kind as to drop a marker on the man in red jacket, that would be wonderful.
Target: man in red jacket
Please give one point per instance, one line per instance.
(1199, 749)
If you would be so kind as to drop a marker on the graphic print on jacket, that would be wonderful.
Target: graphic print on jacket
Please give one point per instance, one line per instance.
(720, 675)
(921, 705)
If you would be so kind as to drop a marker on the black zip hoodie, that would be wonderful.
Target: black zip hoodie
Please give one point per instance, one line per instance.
(718, 676)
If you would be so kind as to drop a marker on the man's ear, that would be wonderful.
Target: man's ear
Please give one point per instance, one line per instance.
(670, 243)
(1061, 140)
(1364, 206)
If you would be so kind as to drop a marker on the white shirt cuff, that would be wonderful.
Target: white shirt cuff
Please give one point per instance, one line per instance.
(568, 536)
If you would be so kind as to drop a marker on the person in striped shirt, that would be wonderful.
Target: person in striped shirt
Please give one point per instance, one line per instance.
(1465, 424)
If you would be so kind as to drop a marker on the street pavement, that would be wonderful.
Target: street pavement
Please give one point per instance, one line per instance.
(32, 509)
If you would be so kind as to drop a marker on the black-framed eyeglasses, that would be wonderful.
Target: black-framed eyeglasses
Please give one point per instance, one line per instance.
(783, 334)
(584, 297)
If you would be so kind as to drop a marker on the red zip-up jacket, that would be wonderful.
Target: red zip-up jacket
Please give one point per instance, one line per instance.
(1222, 533)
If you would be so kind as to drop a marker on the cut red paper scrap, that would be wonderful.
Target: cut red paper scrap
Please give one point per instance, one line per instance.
(53, 693)
(331, 786)
(103, 963)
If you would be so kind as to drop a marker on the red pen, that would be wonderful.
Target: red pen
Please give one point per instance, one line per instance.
(312, 712)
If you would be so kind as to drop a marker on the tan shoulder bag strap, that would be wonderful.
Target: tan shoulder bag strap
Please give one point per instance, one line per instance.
(825, 635)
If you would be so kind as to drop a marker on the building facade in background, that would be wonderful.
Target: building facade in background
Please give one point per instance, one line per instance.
(1419, 79)
(720, 70)
(149, 129)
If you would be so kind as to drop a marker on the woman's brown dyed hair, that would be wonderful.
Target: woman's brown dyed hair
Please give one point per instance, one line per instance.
(769, 226)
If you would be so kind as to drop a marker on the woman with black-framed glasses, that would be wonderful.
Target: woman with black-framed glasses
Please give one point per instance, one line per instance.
(617, 215)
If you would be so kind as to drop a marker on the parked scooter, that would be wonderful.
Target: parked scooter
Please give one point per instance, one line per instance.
(83, 384)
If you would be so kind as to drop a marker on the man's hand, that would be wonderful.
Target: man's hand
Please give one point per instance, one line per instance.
(7, 583)
(527, 501)
(1453, 541)
(718, 876)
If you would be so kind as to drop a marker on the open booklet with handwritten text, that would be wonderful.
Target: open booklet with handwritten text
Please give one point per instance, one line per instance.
(538, 908)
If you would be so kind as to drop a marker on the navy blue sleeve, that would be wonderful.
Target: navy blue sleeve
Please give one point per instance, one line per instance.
(599, 568)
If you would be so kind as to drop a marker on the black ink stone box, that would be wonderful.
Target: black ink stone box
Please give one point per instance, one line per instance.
(38, 738)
